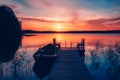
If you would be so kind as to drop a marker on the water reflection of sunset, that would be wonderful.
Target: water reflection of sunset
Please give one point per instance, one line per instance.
(90, 39)
(58, 37)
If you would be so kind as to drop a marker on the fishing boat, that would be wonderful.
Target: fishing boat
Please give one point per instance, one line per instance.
(48, 51)
(45, 57)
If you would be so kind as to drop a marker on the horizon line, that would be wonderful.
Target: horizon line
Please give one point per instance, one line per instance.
(91, 31)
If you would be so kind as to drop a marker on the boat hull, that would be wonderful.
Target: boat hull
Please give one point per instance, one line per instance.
(44, 60)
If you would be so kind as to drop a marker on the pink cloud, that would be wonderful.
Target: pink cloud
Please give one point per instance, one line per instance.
(40, 20)
(113, 23)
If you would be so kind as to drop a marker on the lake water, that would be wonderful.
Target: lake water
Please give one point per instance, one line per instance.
(98, 70)
(38, 40)
(70, 40)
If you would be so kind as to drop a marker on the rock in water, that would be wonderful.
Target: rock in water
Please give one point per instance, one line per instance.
(10, 34)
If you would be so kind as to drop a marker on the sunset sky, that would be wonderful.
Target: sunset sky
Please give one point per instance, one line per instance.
(66, 15)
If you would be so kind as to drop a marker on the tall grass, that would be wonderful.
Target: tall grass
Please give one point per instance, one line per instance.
(20, 68)
(105, 59)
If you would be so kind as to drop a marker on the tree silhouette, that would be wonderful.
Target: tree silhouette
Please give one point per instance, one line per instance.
(10, 33)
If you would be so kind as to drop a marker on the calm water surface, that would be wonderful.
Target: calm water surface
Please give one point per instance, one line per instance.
(24, 57)
(43, 39)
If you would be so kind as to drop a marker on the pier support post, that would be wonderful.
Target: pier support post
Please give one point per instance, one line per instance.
(65, 44)
(71, 44)
(81, 48)
(54, 41)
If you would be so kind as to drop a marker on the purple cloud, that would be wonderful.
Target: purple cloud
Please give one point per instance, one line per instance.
(105, 22)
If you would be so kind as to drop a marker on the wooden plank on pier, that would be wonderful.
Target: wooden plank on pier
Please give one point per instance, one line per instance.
(69, 66)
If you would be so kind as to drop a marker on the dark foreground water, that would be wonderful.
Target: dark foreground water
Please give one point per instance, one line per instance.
(102, 55)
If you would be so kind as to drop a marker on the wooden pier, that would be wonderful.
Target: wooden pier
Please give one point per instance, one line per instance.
(69, 66)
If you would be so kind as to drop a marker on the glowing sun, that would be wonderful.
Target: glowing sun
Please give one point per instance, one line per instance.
(58, 27)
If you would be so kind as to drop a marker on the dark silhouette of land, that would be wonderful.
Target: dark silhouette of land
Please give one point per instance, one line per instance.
(10, 34)
(104, 31)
